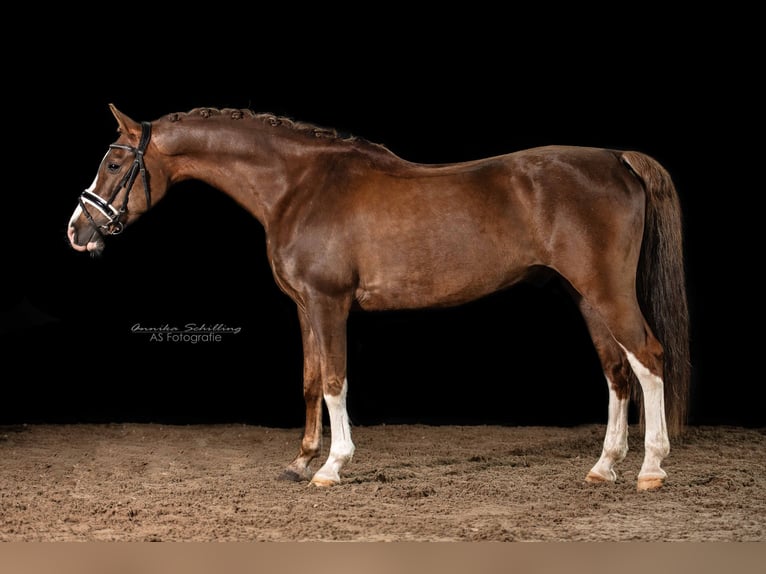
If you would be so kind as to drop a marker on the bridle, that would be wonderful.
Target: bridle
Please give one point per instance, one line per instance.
(114, 225)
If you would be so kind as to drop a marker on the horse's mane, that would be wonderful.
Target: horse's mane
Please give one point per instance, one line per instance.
(304, 128)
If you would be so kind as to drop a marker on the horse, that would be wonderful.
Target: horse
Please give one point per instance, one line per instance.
(350, 225)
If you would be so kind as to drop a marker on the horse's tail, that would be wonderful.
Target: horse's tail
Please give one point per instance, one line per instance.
(661, 285)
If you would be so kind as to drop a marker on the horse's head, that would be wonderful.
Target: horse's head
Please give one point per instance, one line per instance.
(121, 191)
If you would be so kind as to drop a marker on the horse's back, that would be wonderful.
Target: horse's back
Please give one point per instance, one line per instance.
(427, 235)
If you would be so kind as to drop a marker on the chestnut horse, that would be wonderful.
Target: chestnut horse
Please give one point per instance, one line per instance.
(351, 225)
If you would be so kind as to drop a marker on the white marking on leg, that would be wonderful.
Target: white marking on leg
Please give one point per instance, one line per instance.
(616, 438)
(341, 447)
(656, 442)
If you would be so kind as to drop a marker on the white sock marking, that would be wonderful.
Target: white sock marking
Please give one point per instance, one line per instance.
(656, 442)
(341, 447)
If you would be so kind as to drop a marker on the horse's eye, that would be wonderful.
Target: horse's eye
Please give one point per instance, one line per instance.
(113, 167)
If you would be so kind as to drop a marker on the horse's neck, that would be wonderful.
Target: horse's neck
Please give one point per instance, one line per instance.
(251, 168)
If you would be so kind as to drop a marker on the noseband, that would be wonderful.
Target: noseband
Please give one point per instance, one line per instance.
(114, 225)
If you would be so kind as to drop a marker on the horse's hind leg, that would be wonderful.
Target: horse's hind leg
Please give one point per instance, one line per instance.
(616, 371)
(622, 316)
(648, 367)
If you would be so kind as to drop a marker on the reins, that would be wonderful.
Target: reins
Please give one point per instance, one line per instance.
(114, 225)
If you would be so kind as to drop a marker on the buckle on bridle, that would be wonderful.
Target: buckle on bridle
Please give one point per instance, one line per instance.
(115, 227)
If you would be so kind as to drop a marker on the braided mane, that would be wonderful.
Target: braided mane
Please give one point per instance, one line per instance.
(304, 128)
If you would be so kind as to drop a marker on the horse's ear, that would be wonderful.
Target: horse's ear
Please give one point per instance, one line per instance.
(125, 125)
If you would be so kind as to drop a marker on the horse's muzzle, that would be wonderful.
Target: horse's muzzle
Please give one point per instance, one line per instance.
(90, 245)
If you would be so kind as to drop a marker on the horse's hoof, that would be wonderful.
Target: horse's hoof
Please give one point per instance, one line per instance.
(323, 482)
(595, 478)
(649, 483)
(291, 476)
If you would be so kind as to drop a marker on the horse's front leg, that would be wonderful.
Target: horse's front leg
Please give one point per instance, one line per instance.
(342, 447)
(311, 444)
(327, 317)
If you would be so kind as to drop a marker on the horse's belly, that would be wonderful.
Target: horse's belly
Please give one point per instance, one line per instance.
(440, 258)
(417, 288)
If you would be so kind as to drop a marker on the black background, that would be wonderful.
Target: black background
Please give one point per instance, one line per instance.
(430, 92)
